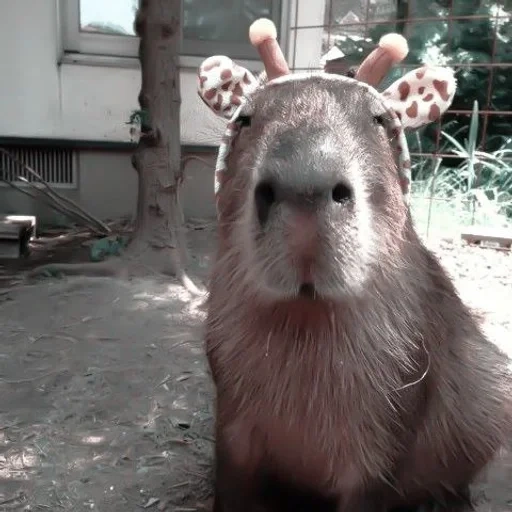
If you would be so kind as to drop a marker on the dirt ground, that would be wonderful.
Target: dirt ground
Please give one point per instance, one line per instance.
(105, 399)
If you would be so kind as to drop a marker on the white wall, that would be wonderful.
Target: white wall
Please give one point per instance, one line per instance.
(40, 98)
(117, 196)
(304, 50)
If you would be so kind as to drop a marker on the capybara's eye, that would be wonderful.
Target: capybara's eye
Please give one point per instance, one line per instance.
(244, 120)
(378, 120)
(341, 193)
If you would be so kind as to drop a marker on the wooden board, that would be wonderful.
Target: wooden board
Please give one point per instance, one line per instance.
(25, 220)
(501, 237)
(10, 231)
(16, 232)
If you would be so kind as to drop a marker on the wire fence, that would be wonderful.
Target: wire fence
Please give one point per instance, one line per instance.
(453, 188)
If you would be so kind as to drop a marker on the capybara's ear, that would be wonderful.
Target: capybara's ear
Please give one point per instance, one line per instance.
(222, 84)
(422, 95)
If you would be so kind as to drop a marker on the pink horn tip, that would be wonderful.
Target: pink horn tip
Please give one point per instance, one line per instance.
(392, 49)
(263, 36)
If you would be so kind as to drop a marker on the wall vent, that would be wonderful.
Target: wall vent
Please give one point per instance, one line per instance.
(58, 167)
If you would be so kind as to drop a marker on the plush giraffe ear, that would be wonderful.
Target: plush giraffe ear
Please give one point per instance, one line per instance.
(222, 84)
(421, 96)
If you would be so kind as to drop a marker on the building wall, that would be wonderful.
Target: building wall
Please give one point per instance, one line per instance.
(45, 95)
(107, 188)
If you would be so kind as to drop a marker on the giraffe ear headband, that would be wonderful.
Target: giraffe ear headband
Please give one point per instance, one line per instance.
(420, 97)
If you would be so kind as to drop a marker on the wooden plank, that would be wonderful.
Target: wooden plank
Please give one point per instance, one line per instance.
(15, 234)
(9, 249)
(28, 221)
(10, 231)
(501, 237)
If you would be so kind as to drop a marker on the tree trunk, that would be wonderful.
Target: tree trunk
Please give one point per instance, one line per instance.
(159, 240)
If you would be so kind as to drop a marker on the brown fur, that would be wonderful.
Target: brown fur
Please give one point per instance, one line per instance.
(381, 393)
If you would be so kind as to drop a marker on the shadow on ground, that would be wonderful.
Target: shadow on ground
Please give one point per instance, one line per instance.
(105, 398)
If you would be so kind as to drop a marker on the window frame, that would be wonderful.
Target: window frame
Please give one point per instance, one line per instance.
(110, 45)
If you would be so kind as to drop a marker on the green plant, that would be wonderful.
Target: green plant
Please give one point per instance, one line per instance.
(138, 118)
(478, 191)
(478, 33)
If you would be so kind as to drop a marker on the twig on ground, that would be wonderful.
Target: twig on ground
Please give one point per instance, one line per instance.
(32, 379)
(182, 484)
(43, 198)
(199, 475)
(75, 213)
(18, 497)
(53, 241)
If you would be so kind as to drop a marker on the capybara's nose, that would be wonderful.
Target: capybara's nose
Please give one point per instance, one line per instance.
(302, 231)
(267, 194)
(302, 241)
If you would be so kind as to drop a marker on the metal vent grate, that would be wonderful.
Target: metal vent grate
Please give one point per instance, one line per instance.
(56, 166)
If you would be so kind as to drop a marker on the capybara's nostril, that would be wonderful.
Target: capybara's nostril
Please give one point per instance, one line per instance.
(341, 193)
(264, 198)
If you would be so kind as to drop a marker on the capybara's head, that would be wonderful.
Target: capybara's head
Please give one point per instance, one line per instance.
(319, 192)
(312, 178)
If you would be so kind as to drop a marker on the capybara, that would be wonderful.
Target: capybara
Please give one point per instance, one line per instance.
(349, 374)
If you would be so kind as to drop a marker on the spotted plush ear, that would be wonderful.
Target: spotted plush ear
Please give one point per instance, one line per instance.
(222, 85)
(421, 96)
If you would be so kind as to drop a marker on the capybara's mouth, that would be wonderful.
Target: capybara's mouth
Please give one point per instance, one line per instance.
(307, 291)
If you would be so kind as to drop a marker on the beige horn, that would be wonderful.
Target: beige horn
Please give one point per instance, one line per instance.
(263, 36)
(392, 49)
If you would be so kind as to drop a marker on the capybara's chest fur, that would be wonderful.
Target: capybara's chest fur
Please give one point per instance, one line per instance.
(299, 412)
(404, 392)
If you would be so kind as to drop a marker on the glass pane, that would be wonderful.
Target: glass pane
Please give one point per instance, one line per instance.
(418, 9)
(108, 17)
(309, 46)
(206, 20)
(223, 20)
(342, 12)
(355, 40)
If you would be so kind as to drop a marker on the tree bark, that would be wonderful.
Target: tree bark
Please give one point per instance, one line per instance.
(159, 239)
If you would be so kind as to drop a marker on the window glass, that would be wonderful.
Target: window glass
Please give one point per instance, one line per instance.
(203, 20)
(108, 17)
(222, 20)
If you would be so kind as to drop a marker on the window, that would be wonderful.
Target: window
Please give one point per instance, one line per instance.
(101, 27)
